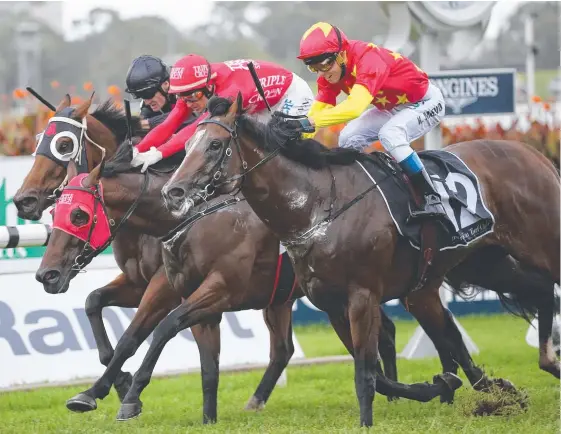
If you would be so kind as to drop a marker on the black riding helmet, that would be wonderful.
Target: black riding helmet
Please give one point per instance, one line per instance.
(145, 77)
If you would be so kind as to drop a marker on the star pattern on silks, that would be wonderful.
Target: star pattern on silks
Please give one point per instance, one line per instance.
(382, 100)
(396, 56)
(402, 99)
(324, 27)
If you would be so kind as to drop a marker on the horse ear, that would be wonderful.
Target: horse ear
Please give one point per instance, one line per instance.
(64, 103)
(82, 110)
(239, 102)
(95, 174)
(72, 169)
(236, 107)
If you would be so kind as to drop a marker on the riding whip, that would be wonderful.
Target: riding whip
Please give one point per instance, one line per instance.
(40, 98)
(258, 84)
(129, 120)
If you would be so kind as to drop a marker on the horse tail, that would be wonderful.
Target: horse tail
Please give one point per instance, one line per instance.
(521, 304)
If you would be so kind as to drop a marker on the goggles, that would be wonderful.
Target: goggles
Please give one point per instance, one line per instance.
(146, 93)
(192, 96)
(322, 66)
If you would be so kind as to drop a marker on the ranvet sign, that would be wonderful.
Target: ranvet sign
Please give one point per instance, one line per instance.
(477, 91)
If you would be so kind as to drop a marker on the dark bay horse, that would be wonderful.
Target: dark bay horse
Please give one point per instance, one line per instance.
(138, 256)
(350, 264)
(225, 261)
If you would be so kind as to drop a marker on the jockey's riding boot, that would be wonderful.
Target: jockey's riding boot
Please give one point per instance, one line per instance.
(432, 204)
(422, 184)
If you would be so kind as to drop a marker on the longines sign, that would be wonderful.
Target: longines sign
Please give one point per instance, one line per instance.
(477, 91)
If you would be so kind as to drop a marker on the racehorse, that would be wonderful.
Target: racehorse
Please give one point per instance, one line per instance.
(222, 259)
(141, 263)
(348, 255)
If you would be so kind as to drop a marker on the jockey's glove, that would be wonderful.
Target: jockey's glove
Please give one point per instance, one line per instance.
(146, 159)
(299, 124)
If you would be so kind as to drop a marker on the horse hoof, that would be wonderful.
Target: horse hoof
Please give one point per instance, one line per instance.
(129, 411)
(122, 385)
(81, 403)
(254, 404)
(451, 382)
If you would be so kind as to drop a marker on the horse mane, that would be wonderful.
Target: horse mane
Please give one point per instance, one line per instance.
(120, 162)
(115, 119)
(276, 135)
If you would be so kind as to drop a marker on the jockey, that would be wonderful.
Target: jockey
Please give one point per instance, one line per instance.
(194, 80)
(406, 104)
(148, 80)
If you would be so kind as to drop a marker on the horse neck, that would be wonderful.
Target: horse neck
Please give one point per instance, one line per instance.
(284, 194)
(102, 136)
(150, 216)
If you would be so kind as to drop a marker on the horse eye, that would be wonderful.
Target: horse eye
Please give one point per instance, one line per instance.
(63, 146)
(79, 217)
(215, 145)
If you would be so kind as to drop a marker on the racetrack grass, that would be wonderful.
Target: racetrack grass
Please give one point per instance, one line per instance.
(317, 398)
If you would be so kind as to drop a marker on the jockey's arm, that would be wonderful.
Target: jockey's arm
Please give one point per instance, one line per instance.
(358, 100)
(164, 131)
(177, 142)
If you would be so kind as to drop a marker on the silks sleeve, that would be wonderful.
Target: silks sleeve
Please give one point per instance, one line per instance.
(316, 107)
(358, 100)
(158, 136)
(177, 142)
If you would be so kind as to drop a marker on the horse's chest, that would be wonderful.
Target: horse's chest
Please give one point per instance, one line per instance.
(315, 271)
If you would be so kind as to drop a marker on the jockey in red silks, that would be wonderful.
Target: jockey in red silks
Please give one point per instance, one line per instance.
(195, 80)
(406, 104)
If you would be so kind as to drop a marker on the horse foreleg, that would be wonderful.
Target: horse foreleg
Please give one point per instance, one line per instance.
(120, 292)
(279, 322)
(364, 318)
(158, 300)
(207, 336)
(205, 303)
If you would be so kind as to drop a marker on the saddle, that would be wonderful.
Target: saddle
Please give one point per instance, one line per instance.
(467, 216)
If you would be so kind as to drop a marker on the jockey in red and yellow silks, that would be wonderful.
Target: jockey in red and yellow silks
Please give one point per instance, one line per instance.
(406, 104)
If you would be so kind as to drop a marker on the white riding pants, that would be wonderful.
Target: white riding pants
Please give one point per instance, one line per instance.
(395, 128)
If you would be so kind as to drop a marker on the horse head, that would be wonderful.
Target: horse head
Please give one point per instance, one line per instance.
(81, 227)
(211, 154)
(71, 134)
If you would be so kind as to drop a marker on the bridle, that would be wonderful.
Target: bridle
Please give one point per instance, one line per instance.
(219, 168)
(89, 252)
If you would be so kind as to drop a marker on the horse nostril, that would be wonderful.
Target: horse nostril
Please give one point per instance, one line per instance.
(48, 276)
(176, 193)
(25, 203)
